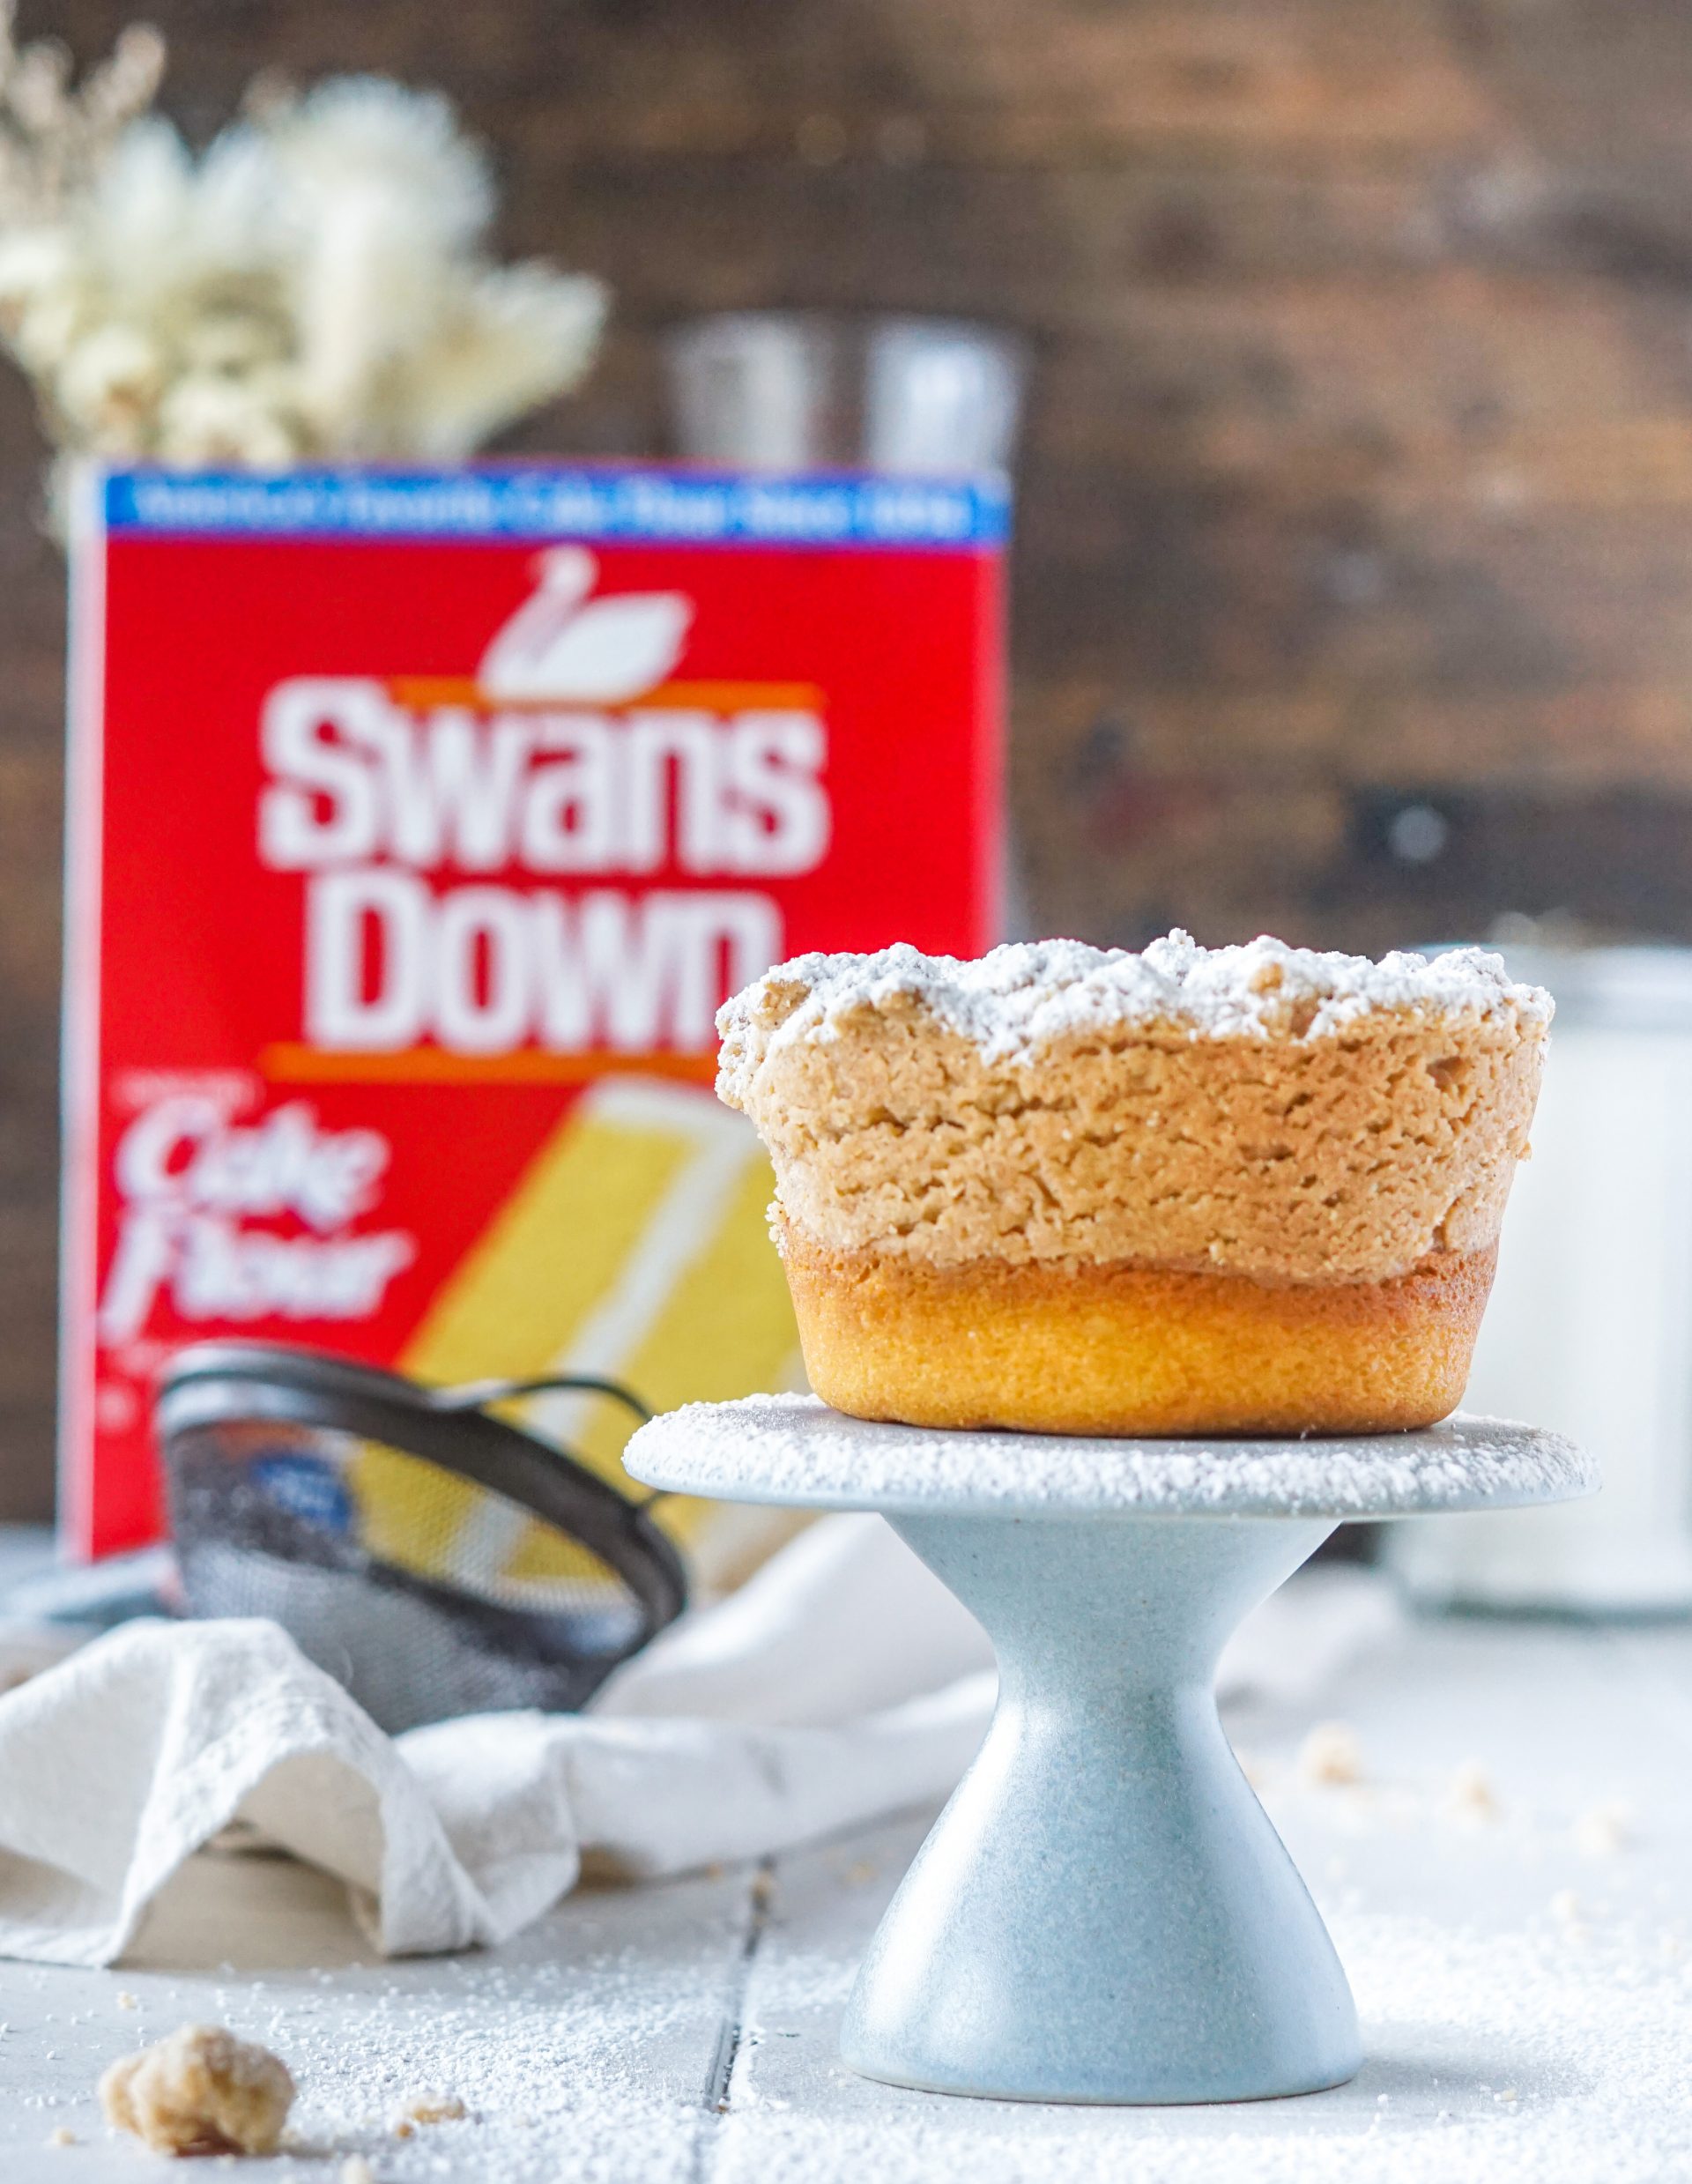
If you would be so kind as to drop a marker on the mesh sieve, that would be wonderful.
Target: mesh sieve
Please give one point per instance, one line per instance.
(431, 1556)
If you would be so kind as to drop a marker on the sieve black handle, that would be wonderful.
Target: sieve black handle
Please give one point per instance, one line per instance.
(481, 1395)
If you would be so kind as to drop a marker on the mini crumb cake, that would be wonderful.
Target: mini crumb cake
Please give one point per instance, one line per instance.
(1243, 1190)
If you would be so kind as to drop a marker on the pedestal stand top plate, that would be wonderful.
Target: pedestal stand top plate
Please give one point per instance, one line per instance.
(794, 1449)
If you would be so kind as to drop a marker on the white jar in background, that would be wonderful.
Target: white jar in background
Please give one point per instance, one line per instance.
(1590, 1326)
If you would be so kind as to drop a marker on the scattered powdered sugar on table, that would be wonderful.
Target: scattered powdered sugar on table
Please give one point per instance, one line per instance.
(551, 2079)
(572, 2063)
(1019, 998)
(1528, 2031)
(1514, 2058)
(793, 1448)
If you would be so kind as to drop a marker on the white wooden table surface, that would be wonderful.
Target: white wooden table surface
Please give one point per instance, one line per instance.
(1521, 1952)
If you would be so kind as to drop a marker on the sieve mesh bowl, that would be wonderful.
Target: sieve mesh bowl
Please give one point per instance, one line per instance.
(434, 1559)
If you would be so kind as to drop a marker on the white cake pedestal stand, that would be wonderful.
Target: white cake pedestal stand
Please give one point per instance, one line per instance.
(1103, 1912)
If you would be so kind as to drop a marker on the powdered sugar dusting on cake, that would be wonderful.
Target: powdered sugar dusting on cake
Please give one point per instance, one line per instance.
(1020, 998)
(795, 1449)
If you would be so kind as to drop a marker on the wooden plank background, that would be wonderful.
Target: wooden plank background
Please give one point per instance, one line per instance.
(1358, 471)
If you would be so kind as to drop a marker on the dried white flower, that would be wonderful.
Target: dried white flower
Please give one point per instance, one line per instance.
(206, 420)
(53, 139)
(34, 263)
(108, 386)
(364, 133)
(315, 284)
(514, 335)
(48, 327)
(234, 342)
(384, 203)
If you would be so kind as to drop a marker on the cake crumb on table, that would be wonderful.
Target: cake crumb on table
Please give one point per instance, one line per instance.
(1331, 1755)
(126, 2001)
(199, 2092)
(356, 2169)
(433, 2108)
(1471, 1796)
(1604, 1830)
(62, 2134)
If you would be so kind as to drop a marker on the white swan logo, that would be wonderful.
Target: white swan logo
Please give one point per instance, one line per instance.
(561, 646)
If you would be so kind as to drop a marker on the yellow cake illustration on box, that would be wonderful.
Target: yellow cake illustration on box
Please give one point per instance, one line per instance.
(634, 1246)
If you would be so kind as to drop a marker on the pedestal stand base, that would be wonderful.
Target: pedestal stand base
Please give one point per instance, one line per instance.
(1103, 1912)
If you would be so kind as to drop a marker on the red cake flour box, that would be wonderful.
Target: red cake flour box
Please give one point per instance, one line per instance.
(419, 824)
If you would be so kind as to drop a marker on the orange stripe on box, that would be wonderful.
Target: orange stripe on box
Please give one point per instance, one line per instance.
(291, 1063)
(421, 691)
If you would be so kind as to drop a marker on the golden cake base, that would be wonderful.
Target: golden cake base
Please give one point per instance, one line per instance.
(1132, 1350)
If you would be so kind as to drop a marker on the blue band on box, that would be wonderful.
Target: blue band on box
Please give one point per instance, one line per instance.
(696, 508)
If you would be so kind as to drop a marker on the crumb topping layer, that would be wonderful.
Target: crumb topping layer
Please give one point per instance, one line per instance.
(1023, 997)
(1261, 1110)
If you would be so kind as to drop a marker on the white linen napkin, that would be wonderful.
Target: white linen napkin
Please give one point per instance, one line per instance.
(841, 1683)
